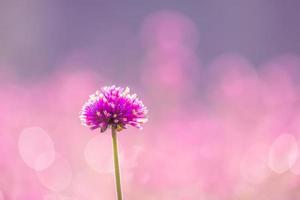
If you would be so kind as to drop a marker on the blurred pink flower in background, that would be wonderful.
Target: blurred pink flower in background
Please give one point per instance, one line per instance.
(170, 40)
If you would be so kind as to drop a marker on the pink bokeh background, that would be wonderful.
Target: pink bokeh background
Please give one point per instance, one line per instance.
(223, 129)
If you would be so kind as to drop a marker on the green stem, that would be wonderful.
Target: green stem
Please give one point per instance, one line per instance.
(116, 163)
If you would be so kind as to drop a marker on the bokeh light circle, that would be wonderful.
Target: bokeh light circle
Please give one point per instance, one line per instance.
(283, 153)
(98, 154)
(295, 169)
(36, 148)
(57, 176)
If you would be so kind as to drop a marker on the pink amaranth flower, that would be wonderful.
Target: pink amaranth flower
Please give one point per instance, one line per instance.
(113, 107)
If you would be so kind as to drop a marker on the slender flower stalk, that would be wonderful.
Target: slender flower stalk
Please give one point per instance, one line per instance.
(116, 163)
(113, 107)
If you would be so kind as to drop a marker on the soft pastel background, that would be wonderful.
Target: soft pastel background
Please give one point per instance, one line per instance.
(220, 79)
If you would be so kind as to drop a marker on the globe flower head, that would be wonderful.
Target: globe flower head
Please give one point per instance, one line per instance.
(113, 107)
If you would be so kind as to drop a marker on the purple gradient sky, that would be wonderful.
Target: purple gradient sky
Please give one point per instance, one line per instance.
(36, 36)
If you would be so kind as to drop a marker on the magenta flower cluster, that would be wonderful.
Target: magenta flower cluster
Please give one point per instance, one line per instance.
(113, 107)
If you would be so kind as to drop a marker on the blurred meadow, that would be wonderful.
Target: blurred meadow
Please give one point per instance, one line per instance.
(220, 80)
